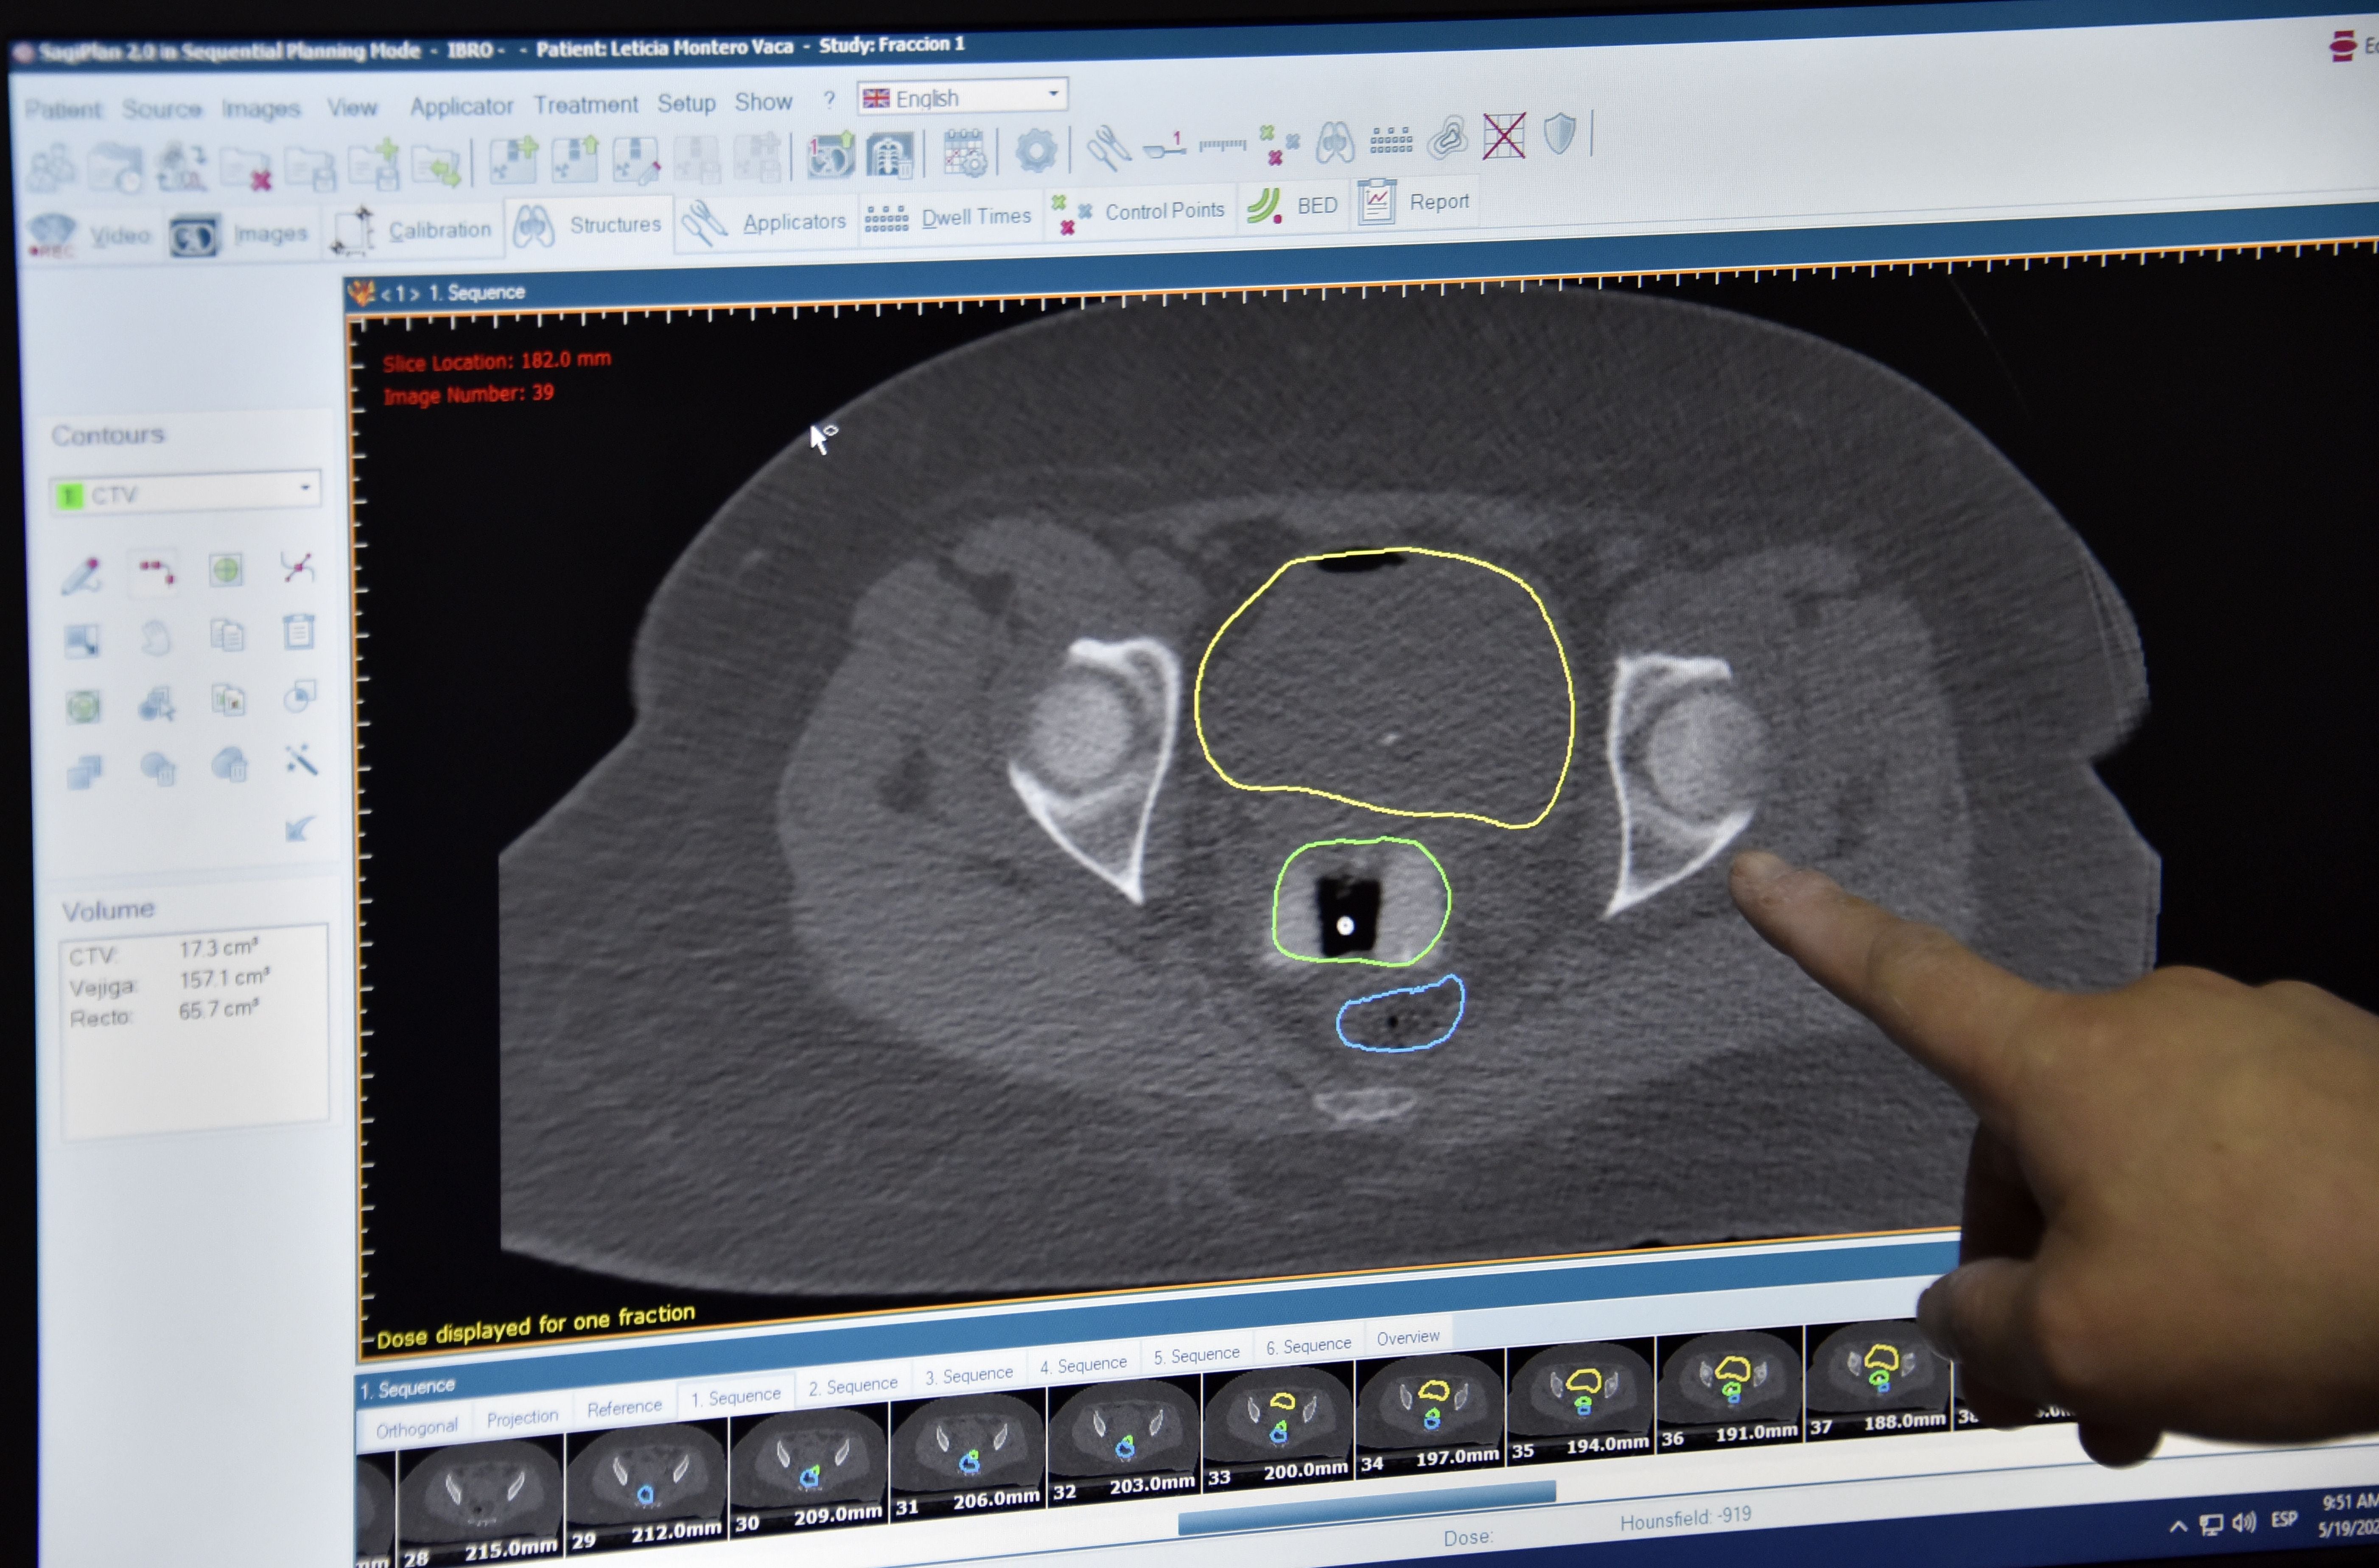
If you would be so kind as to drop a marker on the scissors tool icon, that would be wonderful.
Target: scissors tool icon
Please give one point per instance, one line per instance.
(701, 223)
(1107, 148)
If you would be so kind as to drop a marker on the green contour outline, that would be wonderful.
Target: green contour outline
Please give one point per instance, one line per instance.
(1282, 881)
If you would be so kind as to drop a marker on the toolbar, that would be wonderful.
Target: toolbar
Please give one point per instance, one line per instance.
(848, 155)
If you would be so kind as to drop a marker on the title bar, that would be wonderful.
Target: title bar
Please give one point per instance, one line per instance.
(1124, 44)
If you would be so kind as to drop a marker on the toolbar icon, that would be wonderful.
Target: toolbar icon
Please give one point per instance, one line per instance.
(892, 155)
(1107, 148)
(760, 158)
(228, 636)
(1560, 131)
(834, 156)
(693, 160)
(1506, 136)
(49, 172)
(300, 696)
(245, 170)
(83, 642)
(1451, 138)
(230, 766)
(194, 235)
(84, 578)
(532, 226)
(373, 168)
(154, 766)
(700, 221)
(965, 153)
(158, 703)
(153, 575)
(181, 168)
(82, 707)
(351, 232)
(115, 167)
(296, 631)
(578, 160)
(227, 570)
(1335, 144)
(511, 160)
(53, 234)
(304, 169)
(1036, 152)
(1266, 206)
(1375, 202)
(635, 160)
(229, 701)
(82, 772)
(437, 165)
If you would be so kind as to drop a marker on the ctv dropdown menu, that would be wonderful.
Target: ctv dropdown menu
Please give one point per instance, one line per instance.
(127, 494)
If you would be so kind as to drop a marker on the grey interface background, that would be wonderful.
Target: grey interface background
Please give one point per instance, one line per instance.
(909, 944)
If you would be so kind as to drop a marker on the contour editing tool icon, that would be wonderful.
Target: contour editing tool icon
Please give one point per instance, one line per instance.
(820, 435)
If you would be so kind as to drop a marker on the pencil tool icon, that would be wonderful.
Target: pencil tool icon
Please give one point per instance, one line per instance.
(84, 576)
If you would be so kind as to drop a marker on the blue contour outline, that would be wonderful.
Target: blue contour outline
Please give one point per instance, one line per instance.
(1460, 1007)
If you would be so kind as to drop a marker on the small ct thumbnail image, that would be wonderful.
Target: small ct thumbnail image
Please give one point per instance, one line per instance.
(480, 1502)
(971, 1453)
(1584, 1401)
(1426, 1414)
(1740, 1389)
(636, 1487)
(375, 1510)
(808, 1470)
(1878, 1379)
(1110, 1443)
(1281, 1425)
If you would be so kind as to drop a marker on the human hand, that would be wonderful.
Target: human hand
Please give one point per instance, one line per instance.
(2172, 1206)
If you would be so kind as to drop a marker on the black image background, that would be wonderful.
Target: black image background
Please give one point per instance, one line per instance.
(2199, 424)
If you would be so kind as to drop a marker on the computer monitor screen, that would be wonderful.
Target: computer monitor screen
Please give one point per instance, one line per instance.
(968, 794)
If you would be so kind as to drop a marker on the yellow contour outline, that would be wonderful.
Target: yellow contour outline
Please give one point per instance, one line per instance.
(1890, 1355)
(1282, 1401)
(1569, 684)
(1573, 1386)
(1726, 1376)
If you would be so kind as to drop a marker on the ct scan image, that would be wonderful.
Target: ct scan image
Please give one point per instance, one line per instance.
(375, 1510)
(1145, 1426)
(638, 1485)
(1892, 1367)
(488, 1496)
(1582, 1390)
(802, 1463)
(1211, 791)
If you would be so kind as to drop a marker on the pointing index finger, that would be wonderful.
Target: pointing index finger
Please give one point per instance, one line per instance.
(1954, 1012)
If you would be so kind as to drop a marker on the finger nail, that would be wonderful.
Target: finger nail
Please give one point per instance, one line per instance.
(1933, 1316)
(1758, 867)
